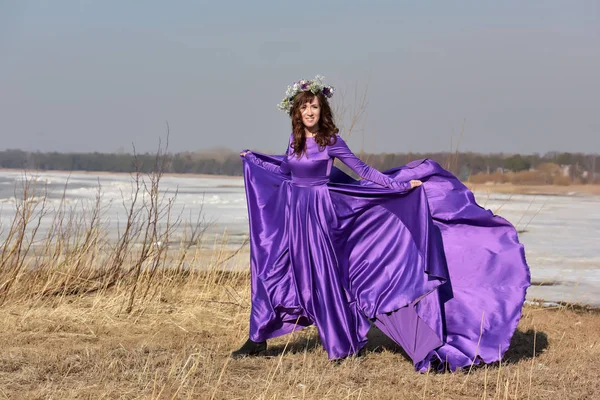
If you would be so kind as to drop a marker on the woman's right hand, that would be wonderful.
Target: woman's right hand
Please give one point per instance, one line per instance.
(243, 153)
(414, 183)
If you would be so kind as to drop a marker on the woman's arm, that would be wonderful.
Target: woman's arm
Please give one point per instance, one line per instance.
(340, 150)
(283, 168)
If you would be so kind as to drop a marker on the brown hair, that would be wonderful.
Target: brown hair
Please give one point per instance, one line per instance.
(327, 129)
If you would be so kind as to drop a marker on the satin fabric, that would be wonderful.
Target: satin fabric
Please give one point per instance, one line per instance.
(441, 276)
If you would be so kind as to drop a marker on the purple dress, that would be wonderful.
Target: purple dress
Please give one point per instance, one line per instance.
(441, 276)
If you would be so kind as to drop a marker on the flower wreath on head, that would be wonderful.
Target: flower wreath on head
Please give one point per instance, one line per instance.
(315, 86)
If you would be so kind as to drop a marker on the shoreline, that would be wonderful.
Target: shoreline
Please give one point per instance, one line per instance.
(105, 173)
(502, 188)
(567, 305)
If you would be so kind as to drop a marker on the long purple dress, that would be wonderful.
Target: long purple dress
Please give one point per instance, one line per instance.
(441, 276)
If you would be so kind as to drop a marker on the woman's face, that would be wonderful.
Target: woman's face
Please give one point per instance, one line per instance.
(311, 112)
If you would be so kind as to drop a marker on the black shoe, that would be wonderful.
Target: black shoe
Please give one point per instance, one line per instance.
(250, 348)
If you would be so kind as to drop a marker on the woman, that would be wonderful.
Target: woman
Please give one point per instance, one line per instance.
(440, 275)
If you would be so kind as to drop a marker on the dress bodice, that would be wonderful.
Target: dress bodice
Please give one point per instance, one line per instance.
(313, 166)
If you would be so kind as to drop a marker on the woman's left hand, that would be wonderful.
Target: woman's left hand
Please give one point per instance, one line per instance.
(414, 183)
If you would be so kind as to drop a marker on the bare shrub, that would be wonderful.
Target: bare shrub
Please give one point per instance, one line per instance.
(561, 180)
(495, 177)
(528, 178)
(74, 256)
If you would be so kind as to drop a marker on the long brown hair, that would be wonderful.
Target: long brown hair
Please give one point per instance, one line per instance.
(327, 129)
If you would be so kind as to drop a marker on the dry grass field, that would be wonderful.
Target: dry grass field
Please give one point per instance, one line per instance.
(176, 345)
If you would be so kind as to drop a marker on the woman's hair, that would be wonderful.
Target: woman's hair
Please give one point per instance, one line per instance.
(327, 129)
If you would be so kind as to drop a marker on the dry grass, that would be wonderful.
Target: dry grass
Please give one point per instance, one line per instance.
(177, 346)
(541, 177)
(511, 188)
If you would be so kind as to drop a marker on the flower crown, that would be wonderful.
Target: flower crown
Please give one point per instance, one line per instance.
(315, 86)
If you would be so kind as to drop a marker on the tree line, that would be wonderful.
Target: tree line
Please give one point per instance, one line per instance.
(463, 164)
(219, 163)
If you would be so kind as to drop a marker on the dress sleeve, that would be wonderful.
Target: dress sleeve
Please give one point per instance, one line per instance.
(340, 150)
(283, 168)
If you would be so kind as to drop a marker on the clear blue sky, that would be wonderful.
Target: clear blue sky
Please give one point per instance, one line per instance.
(98, 75)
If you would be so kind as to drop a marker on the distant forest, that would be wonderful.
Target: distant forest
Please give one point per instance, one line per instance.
(578, 167)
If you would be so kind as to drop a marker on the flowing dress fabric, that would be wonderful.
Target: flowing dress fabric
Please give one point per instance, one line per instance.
(441, 276)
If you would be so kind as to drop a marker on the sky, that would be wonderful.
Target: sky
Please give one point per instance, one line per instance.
(510, 76)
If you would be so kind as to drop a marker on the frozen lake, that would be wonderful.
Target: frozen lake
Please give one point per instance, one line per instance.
(561, 234)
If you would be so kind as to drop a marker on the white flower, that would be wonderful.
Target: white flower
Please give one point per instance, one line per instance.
(315, 86)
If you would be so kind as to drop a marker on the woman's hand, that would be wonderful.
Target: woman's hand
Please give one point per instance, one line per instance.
(414, 183)
(243, 153)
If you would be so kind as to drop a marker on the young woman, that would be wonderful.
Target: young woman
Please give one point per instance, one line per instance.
(440, 275)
